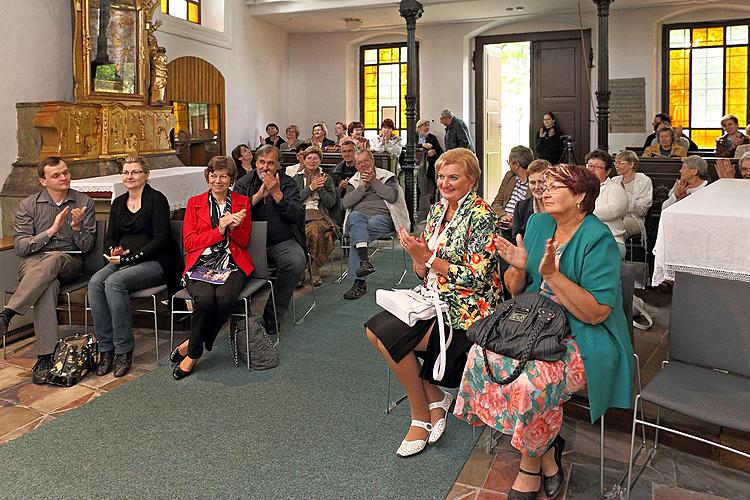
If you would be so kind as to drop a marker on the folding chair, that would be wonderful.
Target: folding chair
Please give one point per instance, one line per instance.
(707, 375)
(346, 248)
(92, 262)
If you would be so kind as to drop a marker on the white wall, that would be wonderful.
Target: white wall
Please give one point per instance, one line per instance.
(324, 71)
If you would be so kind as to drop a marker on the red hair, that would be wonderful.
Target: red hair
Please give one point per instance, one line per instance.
(579, 180)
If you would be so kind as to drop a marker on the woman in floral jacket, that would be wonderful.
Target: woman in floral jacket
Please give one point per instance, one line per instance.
(456, 257)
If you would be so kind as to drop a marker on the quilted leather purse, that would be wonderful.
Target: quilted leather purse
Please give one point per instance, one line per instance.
(527, 327)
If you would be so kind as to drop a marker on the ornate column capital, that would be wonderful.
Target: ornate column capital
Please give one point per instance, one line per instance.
(603, 6)
(410, 10)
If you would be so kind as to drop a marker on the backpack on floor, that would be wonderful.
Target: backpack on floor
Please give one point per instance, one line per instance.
(262, 351)
(73, 358)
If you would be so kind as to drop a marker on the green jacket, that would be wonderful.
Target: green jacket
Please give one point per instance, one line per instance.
(591, 259)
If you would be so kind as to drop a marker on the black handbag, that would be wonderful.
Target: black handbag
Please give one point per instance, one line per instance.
(528, 326)
(73, 358)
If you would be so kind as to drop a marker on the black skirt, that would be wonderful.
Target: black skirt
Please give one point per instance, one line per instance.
(400, 339)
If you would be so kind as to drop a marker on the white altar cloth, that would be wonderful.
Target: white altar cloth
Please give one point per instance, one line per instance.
(707, 233)
(178, 184)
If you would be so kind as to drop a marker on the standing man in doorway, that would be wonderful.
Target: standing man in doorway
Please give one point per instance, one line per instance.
(457, 134)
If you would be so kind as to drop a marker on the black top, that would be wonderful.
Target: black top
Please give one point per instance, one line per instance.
(340, 172)
(270, 142)
(286, 219)
(432, 139)
(524, 209)
(550, 147)
(147, 234)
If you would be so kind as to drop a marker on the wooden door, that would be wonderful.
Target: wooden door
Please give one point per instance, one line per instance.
(558, 77)
(492, 157)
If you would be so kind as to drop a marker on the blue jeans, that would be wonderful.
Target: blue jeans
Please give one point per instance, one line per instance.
(290, 261)
(109, 296)
(361, 229)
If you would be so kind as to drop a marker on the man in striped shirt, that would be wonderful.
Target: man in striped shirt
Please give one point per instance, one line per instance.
(53, 228)
(515, 184)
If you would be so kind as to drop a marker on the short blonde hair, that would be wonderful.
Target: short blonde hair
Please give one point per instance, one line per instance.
(538, 167)
(140, 160)
(465, 159)
(322, 126)
(313, 150)
(627, 156)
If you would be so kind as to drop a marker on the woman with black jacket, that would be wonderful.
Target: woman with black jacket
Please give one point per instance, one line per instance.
(549, 146)
(140, 253)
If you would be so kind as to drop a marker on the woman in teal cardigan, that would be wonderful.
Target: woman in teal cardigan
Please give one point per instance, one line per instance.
(570, 256)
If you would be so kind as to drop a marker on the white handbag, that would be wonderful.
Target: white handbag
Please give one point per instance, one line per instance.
(418, 304)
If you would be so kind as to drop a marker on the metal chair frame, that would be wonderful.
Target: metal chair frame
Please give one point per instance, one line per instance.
(346, 248)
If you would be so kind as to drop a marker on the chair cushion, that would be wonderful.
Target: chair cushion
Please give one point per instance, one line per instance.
(148, 292)
(702, 393)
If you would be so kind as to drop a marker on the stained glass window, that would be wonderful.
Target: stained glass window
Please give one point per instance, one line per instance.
(706, 73)
(383, 87)
(189, 10)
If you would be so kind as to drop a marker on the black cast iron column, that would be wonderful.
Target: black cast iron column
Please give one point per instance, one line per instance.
(602, 94)
(411, 10)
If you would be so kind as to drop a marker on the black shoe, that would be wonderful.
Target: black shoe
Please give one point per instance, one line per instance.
(358, 289)
(270, 327)
(365, 268)
(41, 372)
(175, 357)
(179, 374)
(553, 484)
(104, 366)
(122, 363)
(524, 495)
(4, 323)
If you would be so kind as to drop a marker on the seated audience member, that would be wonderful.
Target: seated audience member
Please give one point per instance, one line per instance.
(464, 272)
(431, 146)
(140, 253)
(549, 145)
(215, 234)
(667, 146)
(319, 139)
(243, 159)
(733, 137)
(514, 186)
(275, 198)
(340, 175)
(387, 141)
(293, 170)
(530, 206)
(52, 229)
(273, 136)
(693, 175)
(612, 202)
(638, 188)
(340, 131)
(725, 169)
(684, 140)
(292, 138)
(376, 207)
(659, 118)
(568, 255)
(356, 133)
(318, 196)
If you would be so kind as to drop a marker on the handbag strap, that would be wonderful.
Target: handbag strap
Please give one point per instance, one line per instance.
(438, 369)
(536, 330)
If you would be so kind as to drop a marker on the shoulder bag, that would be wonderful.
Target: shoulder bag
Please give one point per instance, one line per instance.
(527, 327)
(72, 359)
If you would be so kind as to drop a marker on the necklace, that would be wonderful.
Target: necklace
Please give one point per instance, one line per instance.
(133, 203)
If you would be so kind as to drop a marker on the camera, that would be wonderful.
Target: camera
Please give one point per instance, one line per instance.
(567, 138)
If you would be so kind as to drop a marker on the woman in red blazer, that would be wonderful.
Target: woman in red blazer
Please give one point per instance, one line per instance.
(216, 233)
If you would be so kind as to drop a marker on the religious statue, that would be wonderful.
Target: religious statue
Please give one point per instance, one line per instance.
(159, 77)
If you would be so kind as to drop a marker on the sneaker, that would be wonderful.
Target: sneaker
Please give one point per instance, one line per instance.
(41, 371)
(365, 268)
(358, 289)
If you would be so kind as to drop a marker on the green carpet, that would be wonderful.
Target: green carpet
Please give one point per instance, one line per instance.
(314, 427)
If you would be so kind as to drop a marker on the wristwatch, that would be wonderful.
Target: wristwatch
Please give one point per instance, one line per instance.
(429, 262)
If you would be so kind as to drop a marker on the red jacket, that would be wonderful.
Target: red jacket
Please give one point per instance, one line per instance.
(198, 235)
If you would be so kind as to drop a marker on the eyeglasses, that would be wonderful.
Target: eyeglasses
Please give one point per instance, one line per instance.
(554, 188)
(222, 177)
(126, 173)
(362, 163)
(591, 166)
(622, 162)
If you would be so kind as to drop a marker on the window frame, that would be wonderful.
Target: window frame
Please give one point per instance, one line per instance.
(666, 28)
(402, 131)
(197, 3)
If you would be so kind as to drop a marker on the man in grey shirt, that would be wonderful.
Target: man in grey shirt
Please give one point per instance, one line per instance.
(457, 134)
(375, 206)
(52, 229)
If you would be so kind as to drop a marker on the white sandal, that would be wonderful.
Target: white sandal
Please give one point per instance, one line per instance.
(409, 448)
(439, 428)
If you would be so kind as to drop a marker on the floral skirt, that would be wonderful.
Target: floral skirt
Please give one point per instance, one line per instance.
(321, 240)
(529, 408)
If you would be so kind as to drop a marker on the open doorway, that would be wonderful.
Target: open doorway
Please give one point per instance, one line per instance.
(518, 78)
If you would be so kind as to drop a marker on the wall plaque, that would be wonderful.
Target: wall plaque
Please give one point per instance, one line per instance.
(627, 105)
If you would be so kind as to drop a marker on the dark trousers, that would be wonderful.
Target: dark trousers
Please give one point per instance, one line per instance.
(212, 305)
(290, 261)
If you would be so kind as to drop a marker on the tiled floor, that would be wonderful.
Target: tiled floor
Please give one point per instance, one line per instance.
(672, 475)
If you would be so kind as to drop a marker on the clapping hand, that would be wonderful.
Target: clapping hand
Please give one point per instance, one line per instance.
(318, 182)
(367, 177)
(237, 218)
(724, 168)
(116, 254)
(57, 224)
(416, 246)
(271, 183)
(548, 265)
(343, 184)
(515, 255)
(76, 217)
